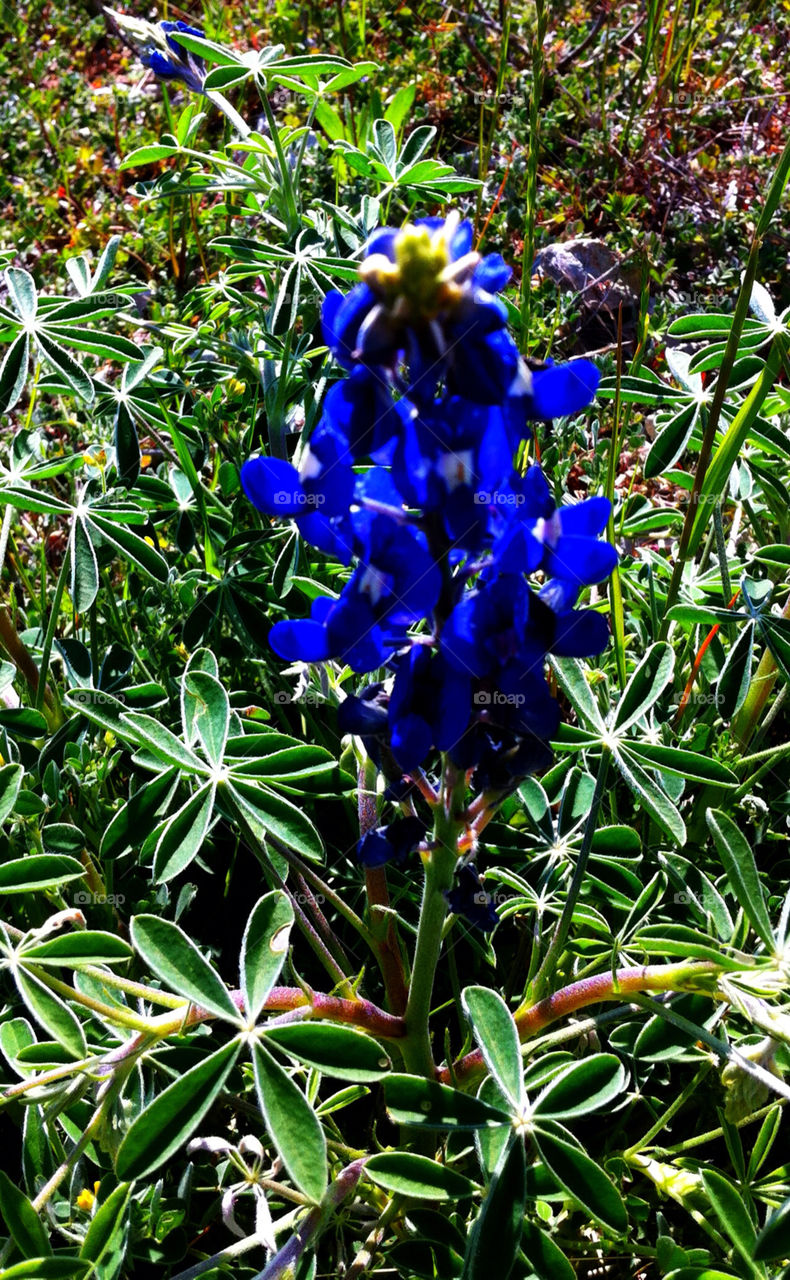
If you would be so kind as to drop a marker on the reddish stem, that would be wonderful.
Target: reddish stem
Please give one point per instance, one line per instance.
(595, 990)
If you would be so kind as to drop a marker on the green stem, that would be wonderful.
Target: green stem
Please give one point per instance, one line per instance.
(439, 870)
(745, 722)
(671, 1111)
(548, 967)
(52, 626)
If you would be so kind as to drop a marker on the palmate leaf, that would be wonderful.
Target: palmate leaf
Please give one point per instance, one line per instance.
(497, 1037)
(580, 1176)
(263, 950)
(170, 1120)
(496, 1234)
(292, 1125)
(174, 958)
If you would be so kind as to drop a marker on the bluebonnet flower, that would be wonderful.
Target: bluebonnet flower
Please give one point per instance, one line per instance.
(469, 899)
(429, 707)
(424, 301)
(392, 843)
(171, 60)
(441, 530)
(396, 583)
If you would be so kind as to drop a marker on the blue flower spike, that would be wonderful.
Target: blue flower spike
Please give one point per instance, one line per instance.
(465, 573)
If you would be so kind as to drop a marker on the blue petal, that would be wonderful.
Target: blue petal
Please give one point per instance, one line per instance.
(273, 486)
(580, 634)
(580, 561)
(492, 274)
(564, 389)
(374, 849)
(304, 641)
(585, 519)
(410, 741)
(382, 240)
(335, 537)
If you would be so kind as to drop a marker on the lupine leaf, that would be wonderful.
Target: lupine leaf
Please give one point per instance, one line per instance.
(169, 1121)
(292, 1124)
(263, 949)
(175, 959)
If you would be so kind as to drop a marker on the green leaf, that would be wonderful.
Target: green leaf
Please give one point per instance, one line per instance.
(580, 1176)
(671, 441)
(106, 1224)
(22, 288)
(496, 1234)
(168, 1122)
(13, 371)
(292, 1124)
(268, 813)
(68, 368)
(25, 1227)
(738, 862)
(685, 764)
(773, 1242)
(183, 834)
(573, 681)
(52, 1268)
(655, 801)
(174, 958)
(147, 559)
(417, 1176)
(147, 155)
(496, 1034)
(84, 568)
(212, 718)
(335, 1050)
(136, 818)
(431, 1105)
(263, 950)
(718, 473)
(39, 871)
(728, 1205)
(11, 776)
(546, 1259)
(84, 946)
(732, 685)
(645, 686)
(582, 1087)
(52, 1012)
(161, 741)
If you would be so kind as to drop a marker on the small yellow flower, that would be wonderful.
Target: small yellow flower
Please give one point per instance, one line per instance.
(86, 1199)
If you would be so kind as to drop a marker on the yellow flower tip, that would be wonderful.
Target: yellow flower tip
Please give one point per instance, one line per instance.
(86, 1199)
(145, 459)
(110, 739)
(182, 651)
